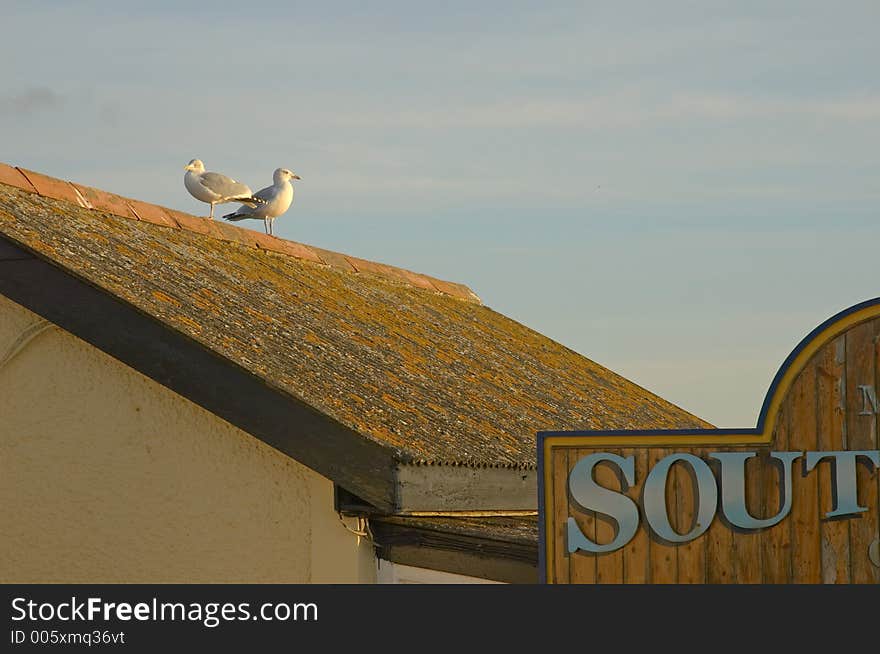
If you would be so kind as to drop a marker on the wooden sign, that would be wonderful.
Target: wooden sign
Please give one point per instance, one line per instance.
(793, 500)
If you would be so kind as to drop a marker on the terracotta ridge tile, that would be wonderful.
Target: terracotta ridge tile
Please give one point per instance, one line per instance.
(152, 213)
(104, 201)
(365, 265)
(420, 280)
(51, 187)
(196, 225)
(334, 259)
(456, 290)
(290, 248)
(82, 200)
(14, 177)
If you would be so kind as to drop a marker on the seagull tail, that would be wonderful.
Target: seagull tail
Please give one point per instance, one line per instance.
(236, 216)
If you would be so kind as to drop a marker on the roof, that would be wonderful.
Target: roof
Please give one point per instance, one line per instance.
(417, 369)
(92, 198)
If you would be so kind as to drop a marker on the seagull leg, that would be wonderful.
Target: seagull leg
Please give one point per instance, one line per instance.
(211, 217)
(271, 230)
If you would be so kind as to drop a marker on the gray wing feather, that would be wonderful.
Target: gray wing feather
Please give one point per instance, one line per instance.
(224, 186)
(266, 194)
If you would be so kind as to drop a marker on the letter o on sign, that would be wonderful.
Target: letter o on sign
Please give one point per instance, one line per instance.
(706, 494)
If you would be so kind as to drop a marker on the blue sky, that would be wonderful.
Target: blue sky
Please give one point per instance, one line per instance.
(679, 191)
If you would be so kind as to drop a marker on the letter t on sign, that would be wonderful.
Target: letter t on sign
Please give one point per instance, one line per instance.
(845, 491)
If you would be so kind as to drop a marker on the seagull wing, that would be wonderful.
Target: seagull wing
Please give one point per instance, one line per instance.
(264, 198)
(226, 187)
(266, 194)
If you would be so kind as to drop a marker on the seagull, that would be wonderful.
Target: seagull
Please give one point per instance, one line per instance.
(275, 200)
(215, 188)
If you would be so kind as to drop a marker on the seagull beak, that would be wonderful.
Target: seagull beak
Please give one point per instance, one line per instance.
(297, 177)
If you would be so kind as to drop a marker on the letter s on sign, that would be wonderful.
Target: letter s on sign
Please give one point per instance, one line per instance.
(593, 497)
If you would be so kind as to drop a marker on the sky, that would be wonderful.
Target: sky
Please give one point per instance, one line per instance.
(679, 191)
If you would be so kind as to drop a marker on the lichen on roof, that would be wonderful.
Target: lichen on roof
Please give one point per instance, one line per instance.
(436, 379)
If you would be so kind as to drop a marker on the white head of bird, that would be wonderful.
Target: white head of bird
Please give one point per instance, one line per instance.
(195, 166)
(282, 175)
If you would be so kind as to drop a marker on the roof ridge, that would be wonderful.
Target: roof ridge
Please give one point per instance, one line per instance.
(99, 200)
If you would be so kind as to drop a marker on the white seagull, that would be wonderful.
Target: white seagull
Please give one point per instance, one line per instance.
(215, 188)
(275, 200)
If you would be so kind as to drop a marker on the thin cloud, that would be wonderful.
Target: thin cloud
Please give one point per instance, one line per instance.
(611, 111)
(31, 101)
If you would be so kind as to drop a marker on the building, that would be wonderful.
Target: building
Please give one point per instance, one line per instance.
(182, 400)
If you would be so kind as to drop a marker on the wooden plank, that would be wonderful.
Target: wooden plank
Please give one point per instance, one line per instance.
(609, 566)
(582, 565)
(560, 572)
(776, 541)
(861, 432)
(663, 557)
(747, 545)
(830, 418)
(636, 554)
(804, 518)
(692, 555)
(720, 567)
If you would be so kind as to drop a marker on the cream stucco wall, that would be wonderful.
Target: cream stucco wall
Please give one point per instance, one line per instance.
(106, 476)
